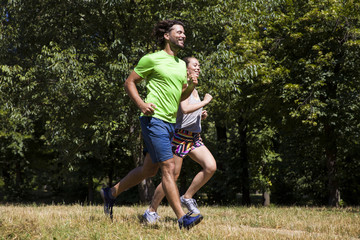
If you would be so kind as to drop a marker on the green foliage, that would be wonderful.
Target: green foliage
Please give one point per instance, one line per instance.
(284, 76)
(318, 90)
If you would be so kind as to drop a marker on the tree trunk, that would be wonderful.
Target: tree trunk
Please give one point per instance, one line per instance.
(331, 145)
(220, 132)
(182, 181)
(221, 140)
(331, 154)
(111, 174)
(146, 190)
(18, 174)
(244, 163)
(90, 190)
(266, 198)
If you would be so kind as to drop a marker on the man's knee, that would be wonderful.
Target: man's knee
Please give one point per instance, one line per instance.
(149, 172)
(149, 168)
(152, 172)
(176, 176)
(168, 167)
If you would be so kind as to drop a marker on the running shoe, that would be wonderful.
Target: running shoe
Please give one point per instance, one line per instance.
(187, 221)
(150, 217)
(190, 204)
(109, 201)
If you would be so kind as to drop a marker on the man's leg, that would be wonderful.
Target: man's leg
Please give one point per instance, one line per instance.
(170, 188)
(159, 193)
(172, 194)
(135, 176)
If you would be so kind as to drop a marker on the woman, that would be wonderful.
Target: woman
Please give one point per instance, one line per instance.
(187, 141)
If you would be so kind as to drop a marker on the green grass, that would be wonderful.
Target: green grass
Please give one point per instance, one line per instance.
(89, 222)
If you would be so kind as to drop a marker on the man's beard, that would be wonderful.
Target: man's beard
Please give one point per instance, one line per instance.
(175, 45)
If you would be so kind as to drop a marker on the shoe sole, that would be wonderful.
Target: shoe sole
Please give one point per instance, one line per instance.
(196, 222)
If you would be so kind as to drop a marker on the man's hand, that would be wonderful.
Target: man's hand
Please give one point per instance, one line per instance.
(147, 108)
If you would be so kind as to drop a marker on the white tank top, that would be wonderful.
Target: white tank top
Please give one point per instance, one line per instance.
(191, 121)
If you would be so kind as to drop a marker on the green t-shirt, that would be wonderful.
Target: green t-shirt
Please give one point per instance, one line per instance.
(165, 76)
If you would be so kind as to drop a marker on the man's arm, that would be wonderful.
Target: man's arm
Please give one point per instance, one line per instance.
(130, 87)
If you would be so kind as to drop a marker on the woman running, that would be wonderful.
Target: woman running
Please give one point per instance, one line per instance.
(187, 141)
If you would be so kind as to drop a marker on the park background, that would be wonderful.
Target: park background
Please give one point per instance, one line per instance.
(284, 121)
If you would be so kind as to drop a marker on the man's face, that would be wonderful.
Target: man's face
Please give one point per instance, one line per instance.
(177, 37)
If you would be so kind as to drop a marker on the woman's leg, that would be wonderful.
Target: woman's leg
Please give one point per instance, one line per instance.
(203, 156)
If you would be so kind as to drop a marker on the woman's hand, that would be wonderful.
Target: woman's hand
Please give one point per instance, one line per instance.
(204, 114)
(192, 79)
(207, 98)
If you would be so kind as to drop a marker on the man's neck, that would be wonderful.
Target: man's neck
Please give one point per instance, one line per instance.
(170, 50)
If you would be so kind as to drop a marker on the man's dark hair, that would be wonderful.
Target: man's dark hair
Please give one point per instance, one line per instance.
(163, 27)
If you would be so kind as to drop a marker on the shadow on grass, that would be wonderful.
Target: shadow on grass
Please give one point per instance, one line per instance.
(158, 223)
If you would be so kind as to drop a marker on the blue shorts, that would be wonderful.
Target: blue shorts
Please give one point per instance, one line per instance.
(157, 135)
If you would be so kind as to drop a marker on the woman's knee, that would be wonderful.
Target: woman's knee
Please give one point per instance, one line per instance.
(210, 168)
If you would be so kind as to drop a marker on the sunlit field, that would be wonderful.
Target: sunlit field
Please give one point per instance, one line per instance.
(89, 222)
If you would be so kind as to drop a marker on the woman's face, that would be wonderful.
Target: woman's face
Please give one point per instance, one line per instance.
(193, 68)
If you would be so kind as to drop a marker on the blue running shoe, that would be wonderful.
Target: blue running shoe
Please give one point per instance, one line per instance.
(187, 221)
(108, 201)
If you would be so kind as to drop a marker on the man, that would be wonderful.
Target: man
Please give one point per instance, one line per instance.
(166, 83)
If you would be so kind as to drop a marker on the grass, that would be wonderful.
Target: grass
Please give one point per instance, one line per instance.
(89, 222)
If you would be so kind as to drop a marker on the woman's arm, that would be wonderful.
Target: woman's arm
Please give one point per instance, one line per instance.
(189, 108)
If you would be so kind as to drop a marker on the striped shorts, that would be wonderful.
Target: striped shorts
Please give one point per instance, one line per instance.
(185, 141)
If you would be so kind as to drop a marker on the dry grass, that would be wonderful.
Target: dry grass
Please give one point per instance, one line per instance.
(89, 222)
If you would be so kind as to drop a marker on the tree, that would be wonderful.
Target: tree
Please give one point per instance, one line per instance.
(321, 79)
(283, 75)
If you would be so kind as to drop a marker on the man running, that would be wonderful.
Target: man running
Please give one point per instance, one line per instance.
(167, 85)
